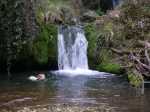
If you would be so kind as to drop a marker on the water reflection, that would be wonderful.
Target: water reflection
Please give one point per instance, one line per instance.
(73, 90)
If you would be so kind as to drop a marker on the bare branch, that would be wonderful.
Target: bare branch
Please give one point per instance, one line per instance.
(138, 60)
(147, 56)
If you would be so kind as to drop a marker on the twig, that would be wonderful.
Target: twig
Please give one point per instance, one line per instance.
(137, 60)
(147, 56)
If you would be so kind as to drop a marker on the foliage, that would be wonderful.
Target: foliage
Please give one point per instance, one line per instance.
(110, 68)
(11, 22)
(91, 35)
(134, 79)
(100, 12)
(135, 18)
(99, 41)
(11, 29)
(40, 51)
(44, 46)
(130, 29)
(15, 24)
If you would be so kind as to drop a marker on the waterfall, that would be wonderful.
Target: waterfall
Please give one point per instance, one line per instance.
(72, 53)
(72, 48)
(116, 3)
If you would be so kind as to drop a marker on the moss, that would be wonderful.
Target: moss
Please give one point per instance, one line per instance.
(91, 35)
(110, 68)
(134, 79)
(108, 27)
(44, 47)
(98, 42)
(40, 51)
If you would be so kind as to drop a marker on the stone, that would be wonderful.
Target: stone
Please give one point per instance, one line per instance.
(89, 16)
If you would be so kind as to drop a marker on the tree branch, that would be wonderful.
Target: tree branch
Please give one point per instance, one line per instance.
(138, 60)
(147, 56)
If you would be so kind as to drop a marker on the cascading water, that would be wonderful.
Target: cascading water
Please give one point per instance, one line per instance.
(72, 52)
(115, 2)
(72, 48)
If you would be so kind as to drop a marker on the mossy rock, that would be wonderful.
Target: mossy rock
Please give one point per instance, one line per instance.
(91, 35)
(110, 68)
(134, 79)
(45, 45)
(40, 51)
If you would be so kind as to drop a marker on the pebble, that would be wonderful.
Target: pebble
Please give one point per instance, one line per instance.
(65, 108)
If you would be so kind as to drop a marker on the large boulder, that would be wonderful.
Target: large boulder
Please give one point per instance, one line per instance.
(60, 16)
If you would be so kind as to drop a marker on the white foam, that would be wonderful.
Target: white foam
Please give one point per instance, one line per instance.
(81, 72)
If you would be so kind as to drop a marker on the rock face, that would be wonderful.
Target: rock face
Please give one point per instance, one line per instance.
(114, 14)
(60, 16)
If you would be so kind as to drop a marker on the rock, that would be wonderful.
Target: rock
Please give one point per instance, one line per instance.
(68, 16)
(53, 17)
(89, 16)
(60, 16)
(114, 13)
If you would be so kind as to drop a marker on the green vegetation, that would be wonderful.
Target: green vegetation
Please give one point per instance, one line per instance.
(100, 12)
(110, 68)
(11, 31)
(91, 35)
(44, 46)
(99, 39)
(135, 79)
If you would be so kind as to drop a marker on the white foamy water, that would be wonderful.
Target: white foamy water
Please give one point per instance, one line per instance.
(81, 72)
(72, 48)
